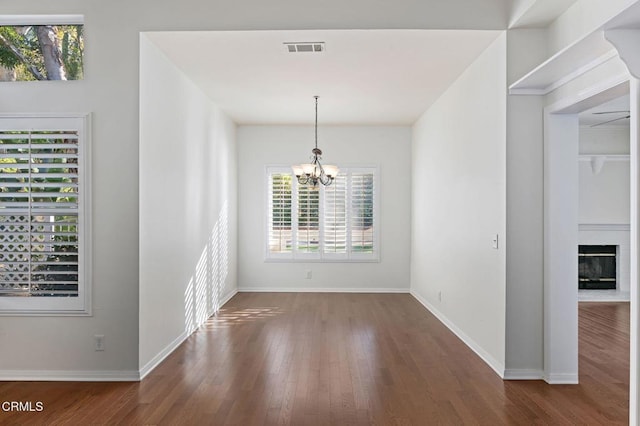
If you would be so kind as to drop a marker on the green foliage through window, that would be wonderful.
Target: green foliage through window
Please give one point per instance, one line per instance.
(41, 52)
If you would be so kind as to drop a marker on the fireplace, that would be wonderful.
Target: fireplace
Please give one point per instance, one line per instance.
(597, 267)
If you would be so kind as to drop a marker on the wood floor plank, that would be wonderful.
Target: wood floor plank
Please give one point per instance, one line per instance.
(341, 359)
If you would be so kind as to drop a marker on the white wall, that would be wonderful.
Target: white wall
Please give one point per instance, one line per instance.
(387, 147)
(604, 197)
(524, 310)
(560, 244)
(604, 140)
(188, 255)
(459, 196)
(63, 347)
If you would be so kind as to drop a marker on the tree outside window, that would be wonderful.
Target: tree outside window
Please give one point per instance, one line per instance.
(41, 52)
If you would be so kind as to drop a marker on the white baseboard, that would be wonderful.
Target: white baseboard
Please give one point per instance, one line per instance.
(228, 297)
(320, 290)
(68, 376)
(160, 356)
(497, 366)
(561, 379)
(523, 374)
(156, 360)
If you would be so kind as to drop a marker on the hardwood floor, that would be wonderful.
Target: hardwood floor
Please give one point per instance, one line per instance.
(315, 359)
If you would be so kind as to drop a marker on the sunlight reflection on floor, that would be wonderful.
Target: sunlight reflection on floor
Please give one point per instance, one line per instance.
(228, 317)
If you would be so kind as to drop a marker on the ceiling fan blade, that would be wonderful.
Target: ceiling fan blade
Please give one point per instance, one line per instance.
(611, 112)
(610, 121)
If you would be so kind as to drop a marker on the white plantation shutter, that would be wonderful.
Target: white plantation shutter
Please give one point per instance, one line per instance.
(331, 223)
(280, 209)
(42, 215)
(308, 215)
(335, 216)
(362, 212)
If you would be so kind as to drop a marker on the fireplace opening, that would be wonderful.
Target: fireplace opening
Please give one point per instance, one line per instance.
(597, 267)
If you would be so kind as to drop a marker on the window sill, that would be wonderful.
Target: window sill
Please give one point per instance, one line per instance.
(311, 260)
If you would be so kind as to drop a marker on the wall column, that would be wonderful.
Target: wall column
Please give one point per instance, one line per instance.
(560, 248)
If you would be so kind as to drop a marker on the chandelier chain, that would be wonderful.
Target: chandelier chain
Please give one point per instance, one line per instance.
(316, 121)
(313, 173)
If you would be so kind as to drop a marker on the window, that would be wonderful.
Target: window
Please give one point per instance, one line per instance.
(44, 258)
(41, 47)
(332, 223)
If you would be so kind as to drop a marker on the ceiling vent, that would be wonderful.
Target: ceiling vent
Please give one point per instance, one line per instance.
(315, 47)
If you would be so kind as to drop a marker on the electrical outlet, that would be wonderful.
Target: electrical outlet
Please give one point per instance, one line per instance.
(309, 274)
(99, 342)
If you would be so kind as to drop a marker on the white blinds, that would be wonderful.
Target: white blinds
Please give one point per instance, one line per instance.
(280, 232)
(39, 199)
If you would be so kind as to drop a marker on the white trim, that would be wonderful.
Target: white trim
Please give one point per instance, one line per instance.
(82, 306)
(497, 366)
(86, 115)
(320, 290)
(554, 72)
(581, 70)
(168, 350)
(561, 379)
(619, 81)
(596, 296)
(7, 20)
(607, 157)
(69, 376)
(325, 259)
(622, 227)
(523, 374)
(533, 92)
(164, 353)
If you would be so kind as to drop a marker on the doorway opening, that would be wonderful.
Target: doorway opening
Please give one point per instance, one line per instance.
(586, 173)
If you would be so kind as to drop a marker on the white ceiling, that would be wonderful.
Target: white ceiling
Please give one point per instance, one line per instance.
(363, 77)
(591, 118)
(536, 13)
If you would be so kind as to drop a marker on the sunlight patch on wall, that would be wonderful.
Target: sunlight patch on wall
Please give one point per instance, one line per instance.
(206, 286)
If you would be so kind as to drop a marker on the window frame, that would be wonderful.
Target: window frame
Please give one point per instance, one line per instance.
(295, 256)
(61, 306)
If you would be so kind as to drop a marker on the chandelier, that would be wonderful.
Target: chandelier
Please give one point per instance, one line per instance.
(314, 172)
